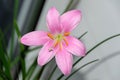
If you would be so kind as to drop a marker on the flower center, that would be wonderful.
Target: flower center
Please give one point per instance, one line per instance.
(58, 38)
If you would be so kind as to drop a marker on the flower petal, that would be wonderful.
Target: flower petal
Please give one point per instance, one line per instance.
(64, 61)
(75, 46)
(35, 38)
(53, 20)
(46, 54)
(70, 20)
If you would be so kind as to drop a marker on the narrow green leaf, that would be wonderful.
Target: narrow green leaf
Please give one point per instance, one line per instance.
(14, 18)
(23, 68)
(50, 76)
(3, 76)
(22, 60)
(15, 11)
(31, 69)
(4, 59)
(11, 43)
(2, 40)
(16, 5)
(39, 74)
(17, 29)
(83, 35)
(97, 45)
(6, 64)
(16, 60)
(68, 6)
(34, 64)
(77, 70)
(33, 49)
(81, 68)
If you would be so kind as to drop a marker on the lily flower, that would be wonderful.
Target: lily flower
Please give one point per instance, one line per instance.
(57, 40)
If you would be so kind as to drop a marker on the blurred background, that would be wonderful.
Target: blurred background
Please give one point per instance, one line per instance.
(101, 18)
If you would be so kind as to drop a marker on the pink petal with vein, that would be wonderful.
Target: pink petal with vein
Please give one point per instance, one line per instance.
(35, 38)
(64, 61)
(75, 46)
(53, 20)
(70, 20)
(46, 53)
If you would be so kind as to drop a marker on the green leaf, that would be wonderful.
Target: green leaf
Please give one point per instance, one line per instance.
(2, 40)
(30, 50)
(17, 29)
(83, 35)
(4, 59)
(81, 68)
(34, 64)
(23, 68)
(16, 5)
(68, 6)
(3, 76)
(39, 74)
(77, 70)
(31, 69)
(22, 48)
(21, 58)
(15, 11)
(50, 76)
(6, 63)
(11, 43)
(97, 45)
(16, 60)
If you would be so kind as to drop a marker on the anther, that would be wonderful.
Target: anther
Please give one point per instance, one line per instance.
(56, 43)
(67, 34)
(50, 35)
(65, 41)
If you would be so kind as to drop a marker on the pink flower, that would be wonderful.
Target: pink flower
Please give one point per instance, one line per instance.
(57, 41)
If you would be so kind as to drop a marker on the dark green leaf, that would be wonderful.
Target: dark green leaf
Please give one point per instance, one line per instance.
(83, 35)
(81, 68)
(4, 59)
(23, 68)
(97, 45)
(39, 74)
(17, 29)
(31, 70)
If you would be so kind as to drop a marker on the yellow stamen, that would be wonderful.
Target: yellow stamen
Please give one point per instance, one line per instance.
(56, 43)
(65, 41)
(50, 35)
(67, 34)
(60, 46)
(58, 40)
